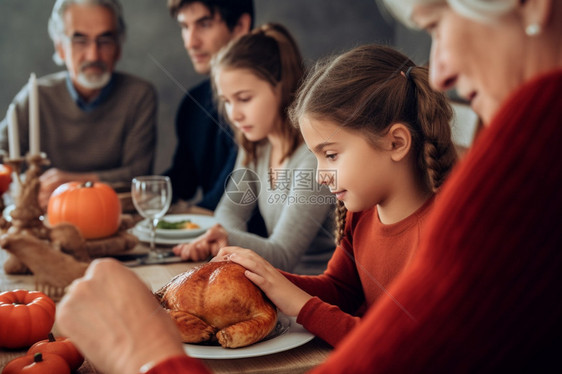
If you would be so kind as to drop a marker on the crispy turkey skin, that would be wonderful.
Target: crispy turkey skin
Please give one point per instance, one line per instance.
(217, 301)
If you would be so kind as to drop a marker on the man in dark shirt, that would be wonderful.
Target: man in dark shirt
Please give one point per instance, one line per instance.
(206, 151)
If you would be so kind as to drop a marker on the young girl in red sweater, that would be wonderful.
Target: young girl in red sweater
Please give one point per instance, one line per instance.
(383, 143)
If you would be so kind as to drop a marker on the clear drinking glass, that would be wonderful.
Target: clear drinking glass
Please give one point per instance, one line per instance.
(152, 196)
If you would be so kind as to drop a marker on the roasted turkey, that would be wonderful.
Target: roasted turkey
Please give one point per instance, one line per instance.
(216, 301)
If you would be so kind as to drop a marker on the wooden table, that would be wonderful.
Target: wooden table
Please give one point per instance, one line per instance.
(296, 360)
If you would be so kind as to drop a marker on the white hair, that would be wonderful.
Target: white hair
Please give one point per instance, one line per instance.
(57, 26)
(478, 10)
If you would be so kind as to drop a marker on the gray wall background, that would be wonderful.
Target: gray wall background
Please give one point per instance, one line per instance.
(154, 49)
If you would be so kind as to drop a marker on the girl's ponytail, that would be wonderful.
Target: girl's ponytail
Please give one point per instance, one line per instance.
(291, 70)
(341, 213)
(437, 154)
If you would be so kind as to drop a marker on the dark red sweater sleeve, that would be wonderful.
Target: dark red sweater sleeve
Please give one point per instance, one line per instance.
(326, 321)
(179, 364)
(483, 293)
(338, 285)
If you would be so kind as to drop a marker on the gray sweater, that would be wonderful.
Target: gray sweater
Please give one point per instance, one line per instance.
(116, 139)
(298, 213)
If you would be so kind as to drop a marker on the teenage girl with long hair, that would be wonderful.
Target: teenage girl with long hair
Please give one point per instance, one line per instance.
(255, 80)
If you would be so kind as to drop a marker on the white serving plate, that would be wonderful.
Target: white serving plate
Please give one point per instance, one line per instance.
(287, 335)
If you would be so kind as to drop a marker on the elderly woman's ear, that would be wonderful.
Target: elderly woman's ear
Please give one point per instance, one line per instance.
(535, 15)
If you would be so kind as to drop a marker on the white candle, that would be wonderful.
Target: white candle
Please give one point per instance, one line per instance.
(13, 132)
(33, 116)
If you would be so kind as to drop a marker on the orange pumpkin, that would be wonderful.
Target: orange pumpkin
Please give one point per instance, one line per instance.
(93, 207)
(60, 346)
(5, 178)
(39, 363)
(26, 317)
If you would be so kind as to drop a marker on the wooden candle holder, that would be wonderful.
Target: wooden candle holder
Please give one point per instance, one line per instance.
(27, 213)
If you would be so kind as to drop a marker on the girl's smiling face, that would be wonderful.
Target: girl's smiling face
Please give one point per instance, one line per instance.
(251, 103)
(358, 173)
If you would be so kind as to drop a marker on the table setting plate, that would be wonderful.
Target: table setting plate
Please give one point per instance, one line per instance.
(145, 238)
(204, 222)
(287, 334)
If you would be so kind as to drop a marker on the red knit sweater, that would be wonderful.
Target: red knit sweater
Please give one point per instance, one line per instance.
(369, 257)
(484, 292)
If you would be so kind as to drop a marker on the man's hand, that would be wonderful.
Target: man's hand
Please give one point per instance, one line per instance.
(204, 246)
(115, 321)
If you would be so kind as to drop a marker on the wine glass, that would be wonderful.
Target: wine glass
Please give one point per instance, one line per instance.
(152, 196)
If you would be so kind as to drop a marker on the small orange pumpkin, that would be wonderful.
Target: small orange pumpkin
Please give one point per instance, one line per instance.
(48, 363)
(26, 317)
(93, 207)
(60, 346)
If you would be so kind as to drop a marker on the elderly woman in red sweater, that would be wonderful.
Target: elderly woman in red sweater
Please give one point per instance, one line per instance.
(483, 293)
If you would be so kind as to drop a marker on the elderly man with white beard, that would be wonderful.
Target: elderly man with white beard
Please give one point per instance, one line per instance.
(96, 124)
